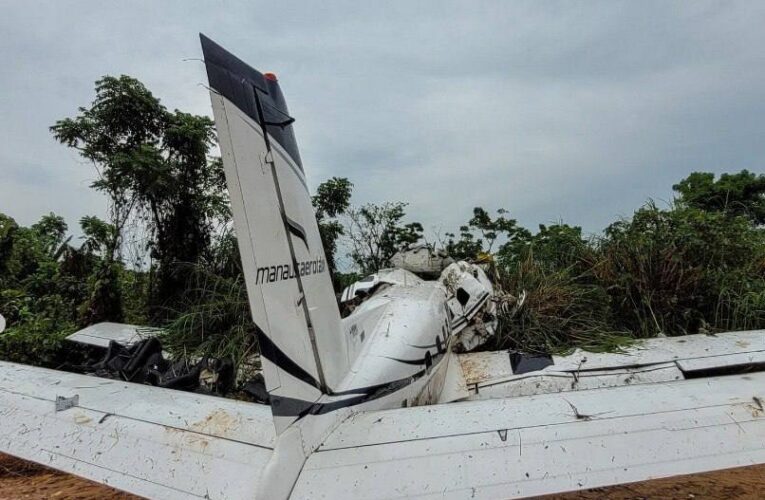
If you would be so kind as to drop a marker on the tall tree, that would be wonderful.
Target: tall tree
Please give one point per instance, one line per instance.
(104, 302)
(51, 229)
(377, 232)
(742, 193)
(154, 166)
(8, 229)
(331, 200)
(467, 246)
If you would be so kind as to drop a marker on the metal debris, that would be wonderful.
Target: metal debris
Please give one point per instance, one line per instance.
(64, 403)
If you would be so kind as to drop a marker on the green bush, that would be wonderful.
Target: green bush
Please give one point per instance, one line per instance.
(560, 311)
(38, 342)
(682, 271)
(214, 319)
(678, 271)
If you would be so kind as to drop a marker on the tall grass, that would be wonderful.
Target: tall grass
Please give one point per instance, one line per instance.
(214, 320)
(560, 311)
(664, 272)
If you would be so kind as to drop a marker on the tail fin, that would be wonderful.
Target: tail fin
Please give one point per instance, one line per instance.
(302, 345)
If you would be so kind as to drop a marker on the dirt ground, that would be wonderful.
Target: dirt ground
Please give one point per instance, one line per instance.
(27, 481)
(746, 483)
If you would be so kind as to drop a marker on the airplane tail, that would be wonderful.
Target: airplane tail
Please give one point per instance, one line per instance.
(303, 349)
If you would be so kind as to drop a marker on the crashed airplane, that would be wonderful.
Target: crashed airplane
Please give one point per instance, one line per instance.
(379, 404)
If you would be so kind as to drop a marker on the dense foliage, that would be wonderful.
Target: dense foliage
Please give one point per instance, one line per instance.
(168, 255)
(48, 287)
(673, 271)
(155, 168)
(332, 199)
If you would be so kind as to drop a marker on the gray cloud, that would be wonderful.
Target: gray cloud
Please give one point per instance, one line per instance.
(572, 111)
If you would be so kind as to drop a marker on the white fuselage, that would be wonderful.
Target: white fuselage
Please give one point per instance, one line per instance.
(399, 337)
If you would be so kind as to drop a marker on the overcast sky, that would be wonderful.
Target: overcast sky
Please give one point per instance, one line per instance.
(566, 111)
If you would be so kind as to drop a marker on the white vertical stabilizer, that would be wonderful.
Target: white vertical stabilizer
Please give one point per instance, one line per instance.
(288, 282)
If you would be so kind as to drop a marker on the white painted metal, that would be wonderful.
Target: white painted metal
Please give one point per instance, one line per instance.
(723, 361)
(472, 417)
(468, 280)
(479, 367)
(454, 387)
(250, 423)
(490, 375)
(529, 384)
(101, 334)
(153, 442)
(396, 339)
(398, 323)
(2, 323)
(421, 258)
(542, 444)
(365, 286)
(662, 350)
(265, 246)
(360, 289)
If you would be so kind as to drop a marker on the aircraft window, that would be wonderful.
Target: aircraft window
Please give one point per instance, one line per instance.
(462, 296)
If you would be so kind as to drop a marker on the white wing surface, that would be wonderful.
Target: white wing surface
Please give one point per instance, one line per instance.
(534, 445)
(153, 442)
(101, 334)
(488, 375)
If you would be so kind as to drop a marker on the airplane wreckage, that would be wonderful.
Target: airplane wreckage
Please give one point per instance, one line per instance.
(379, 404)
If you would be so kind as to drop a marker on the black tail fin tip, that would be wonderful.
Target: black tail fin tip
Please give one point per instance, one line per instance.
(242, 85)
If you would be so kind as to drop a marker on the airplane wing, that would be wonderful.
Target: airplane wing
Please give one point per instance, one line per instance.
(157, 443)
(543, 444)
(654, 411)
(498, 374)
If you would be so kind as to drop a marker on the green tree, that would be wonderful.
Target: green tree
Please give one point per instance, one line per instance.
(98, 236)
(331, 200)
(154, 167)
(51, 230)
(377, 232)
(466, 247)
(742, 193)
(8, 229)
(683, 270)
(557, 247)
(27, 249)
(469, 247)
(105, 301)
(490, 228)
(38, 303)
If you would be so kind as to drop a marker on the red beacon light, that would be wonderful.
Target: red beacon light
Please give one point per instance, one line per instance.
(270, 76)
